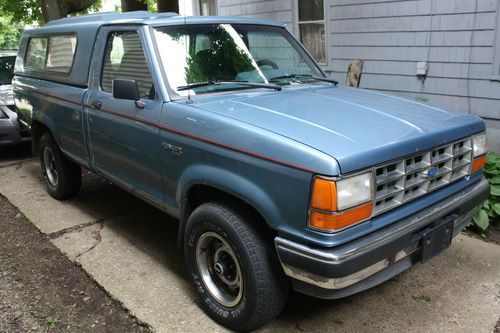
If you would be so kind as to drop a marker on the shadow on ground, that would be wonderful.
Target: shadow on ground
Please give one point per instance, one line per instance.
(14, 154)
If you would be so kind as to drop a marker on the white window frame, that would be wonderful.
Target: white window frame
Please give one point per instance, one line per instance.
(496, 60)
(324, 21)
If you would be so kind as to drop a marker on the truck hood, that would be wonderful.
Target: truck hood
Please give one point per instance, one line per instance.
(357, 127)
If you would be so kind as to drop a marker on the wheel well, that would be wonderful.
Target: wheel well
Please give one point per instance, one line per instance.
(37, 130)
(200, 194)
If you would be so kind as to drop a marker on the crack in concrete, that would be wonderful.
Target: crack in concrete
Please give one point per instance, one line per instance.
(97, 239)
(59, 233)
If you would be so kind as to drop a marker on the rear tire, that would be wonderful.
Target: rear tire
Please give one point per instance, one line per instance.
(235, 272)
(62, 178)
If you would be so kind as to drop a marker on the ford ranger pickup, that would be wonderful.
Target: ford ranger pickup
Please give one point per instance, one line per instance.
(279, 177)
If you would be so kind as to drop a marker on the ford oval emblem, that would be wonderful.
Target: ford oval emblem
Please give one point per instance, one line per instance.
(432, 172)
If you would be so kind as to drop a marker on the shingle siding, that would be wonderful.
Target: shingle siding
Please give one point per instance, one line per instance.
(456, 37)
(280, 10)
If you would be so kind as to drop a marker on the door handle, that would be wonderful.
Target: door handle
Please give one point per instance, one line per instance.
(96, 104)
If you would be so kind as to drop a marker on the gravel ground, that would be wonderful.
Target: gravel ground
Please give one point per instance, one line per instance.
(42, 291)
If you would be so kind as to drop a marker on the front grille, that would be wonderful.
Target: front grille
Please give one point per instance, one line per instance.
(404, 180)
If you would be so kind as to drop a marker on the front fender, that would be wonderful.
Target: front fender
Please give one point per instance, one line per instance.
(231, 183)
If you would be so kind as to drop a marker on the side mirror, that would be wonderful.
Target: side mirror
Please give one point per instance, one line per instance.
(126, 89)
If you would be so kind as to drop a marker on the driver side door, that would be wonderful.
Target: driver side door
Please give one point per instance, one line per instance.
(123, 139)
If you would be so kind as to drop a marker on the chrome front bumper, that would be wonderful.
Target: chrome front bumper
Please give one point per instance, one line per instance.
(344, 268)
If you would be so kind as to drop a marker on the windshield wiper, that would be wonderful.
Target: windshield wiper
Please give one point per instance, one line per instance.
(217, 83)
(303, 76)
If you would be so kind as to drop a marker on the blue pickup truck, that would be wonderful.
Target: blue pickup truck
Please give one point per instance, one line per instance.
(279, 177)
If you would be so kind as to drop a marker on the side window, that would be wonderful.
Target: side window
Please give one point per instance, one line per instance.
(60, 53)
(51, 54)
(202, 43)
(124, 59)
(37, 53)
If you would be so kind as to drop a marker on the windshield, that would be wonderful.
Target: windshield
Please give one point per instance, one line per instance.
(230, 52)
(7, 69)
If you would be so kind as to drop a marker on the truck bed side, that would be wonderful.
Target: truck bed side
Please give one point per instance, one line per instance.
(58, 107)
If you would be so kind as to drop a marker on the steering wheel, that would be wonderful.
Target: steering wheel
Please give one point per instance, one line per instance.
(267, 62)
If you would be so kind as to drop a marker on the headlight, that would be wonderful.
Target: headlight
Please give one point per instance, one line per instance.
(354, 191)
(336, 205)
(479, 149)
(479, 144)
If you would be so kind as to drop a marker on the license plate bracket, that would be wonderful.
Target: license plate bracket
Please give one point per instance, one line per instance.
(437, 239)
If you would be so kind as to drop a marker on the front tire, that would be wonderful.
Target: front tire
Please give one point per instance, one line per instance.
(233, 269)
(62, 178)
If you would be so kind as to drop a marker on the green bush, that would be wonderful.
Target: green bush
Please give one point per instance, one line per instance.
(9, 33)
(490, 212)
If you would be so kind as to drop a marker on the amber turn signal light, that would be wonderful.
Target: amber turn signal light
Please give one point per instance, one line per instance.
(478, 163)
(339, 221)
(324, 195)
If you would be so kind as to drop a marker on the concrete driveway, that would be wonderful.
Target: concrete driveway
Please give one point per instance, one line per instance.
(129, 248)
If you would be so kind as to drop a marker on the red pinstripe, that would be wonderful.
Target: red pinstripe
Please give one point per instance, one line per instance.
(200, 138)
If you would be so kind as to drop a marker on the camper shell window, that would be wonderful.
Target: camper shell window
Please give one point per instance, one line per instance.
(51, 53)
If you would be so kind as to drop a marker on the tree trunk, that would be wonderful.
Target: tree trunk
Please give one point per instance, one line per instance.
(354, 72)
(76, 6)
(56, 9)
(51, 10)
(168, 6)
(131, 5)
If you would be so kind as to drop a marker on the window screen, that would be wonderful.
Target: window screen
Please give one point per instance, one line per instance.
(208, 7)
(53, 54)
(312, 28)
(311, 10)
(124, 59)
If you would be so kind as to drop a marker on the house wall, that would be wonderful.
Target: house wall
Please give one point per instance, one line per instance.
(460, 40)
(279, 10)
